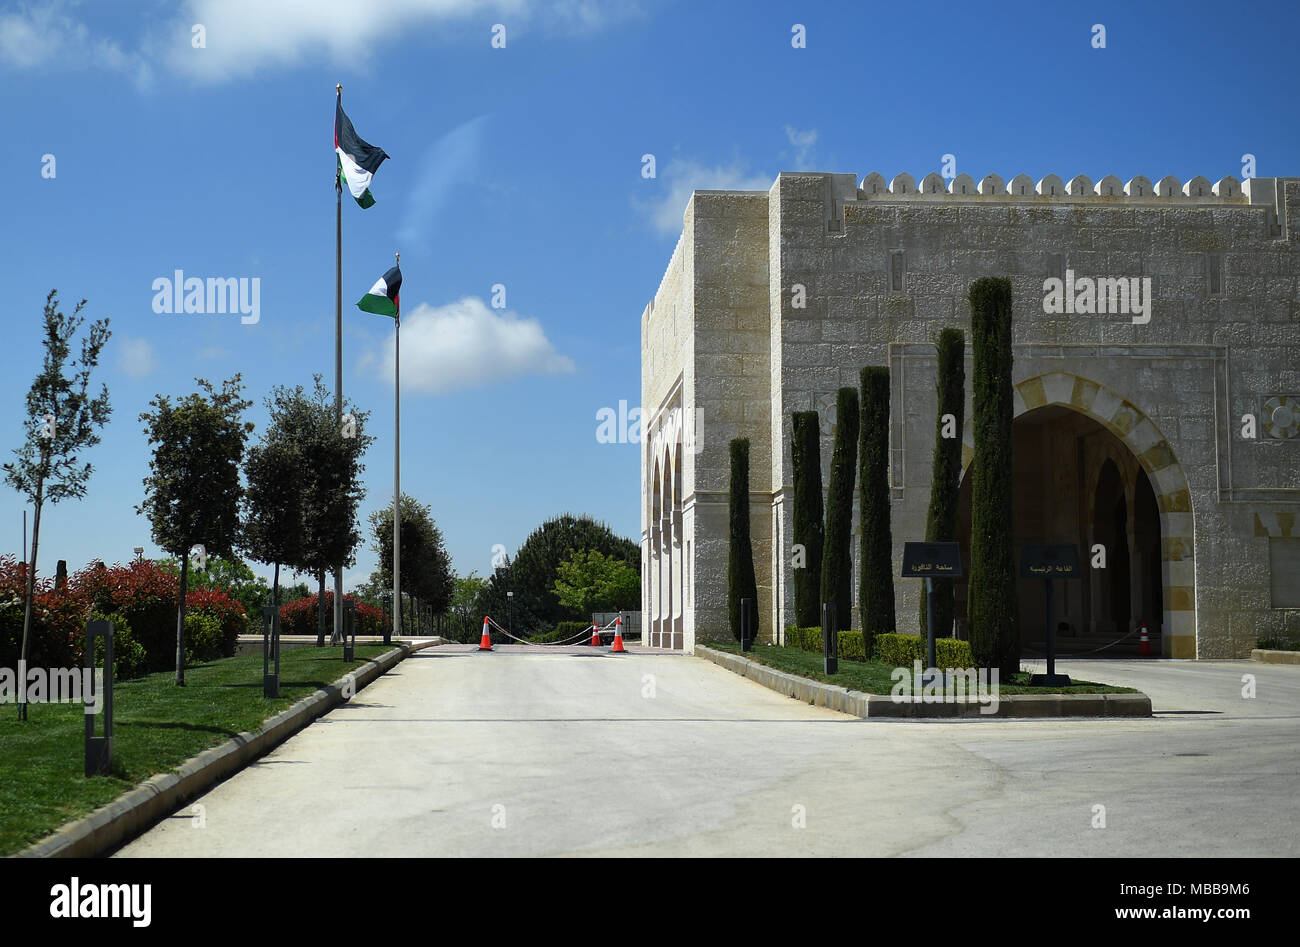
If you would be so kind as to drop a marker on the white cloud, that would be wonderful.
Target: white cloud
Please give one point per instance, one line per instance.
(36, 37)
(467, 345)
(136, 357)
(803, 143)
(684, 176)
(243, 36)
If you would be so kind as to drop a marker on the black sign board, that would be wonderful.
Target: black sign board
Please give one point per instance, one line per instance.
(1049, 561)
(931, 561)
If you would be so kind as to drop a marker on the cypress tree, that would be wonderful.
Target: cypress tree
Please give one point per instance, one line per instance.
(741, 581)
(808, 529)
(876, 582)
(992, 607)
(837, 566)
(945, 475)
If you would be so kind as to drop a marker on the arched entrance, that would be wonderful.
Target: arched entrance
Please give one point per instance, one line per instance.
(1093, 470)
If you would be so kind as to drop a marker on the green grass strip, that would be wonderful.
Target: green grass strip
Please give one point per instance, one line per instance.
(157, 726)
(873, 677)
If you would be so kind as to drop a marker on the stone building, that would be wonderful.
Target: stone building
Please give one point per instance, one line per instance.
(1164, 427)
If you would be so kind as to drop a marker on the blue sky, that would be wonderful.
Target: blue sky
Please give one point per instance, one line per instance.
(521, 166)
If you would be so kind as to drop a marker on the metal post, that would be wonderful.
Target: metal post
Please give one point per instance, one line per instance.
(1051, 635)
(929, 623)
(349, 633)
(99, 750)
(830, 639)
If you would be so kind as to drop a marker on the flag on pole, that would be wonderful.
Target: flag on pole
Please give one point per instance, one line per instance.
(358, 160)
(382, 298)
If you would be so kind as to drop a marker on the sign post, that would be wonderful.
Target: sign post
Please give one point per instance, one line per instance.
(1049, 561)
(350, 631)
(931, 561)
(830, 639)
(99, 750)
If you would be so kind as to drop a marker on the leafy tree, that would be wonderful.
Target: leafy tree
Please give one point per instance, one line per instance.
(332, 490)
(62, 421)
(837, 564)
(466, 610)
(192, 492)
(945, 476)
(531, 574)
(273, 503)
(808, 529)
(426, 566)
(741, 581)
(876, 545)
(991, 605)
(589, 581)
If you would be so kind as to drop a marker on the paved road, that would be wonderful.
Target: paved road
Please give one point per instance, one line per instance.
(525, 753)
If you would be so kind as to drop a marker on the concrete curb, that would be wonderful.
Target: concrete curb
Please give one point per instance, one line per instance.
(1264, 656)
(140, 808)
(882, 706)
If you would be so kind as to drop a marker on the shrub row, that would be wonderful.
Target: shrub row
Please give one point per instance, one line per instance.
(902, 650)
(810, 639)
(300, 617)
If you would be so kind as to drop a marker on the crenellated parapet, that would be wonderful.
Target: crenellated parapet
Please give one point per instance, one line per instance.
(1139, 189)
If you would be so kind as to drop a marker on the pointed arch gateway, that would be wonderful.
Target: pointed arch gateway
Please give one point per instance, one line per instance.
(1124, 467)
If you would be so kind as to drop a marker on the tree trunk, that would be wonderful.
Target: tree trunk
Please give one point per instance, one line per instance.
(320, 614)
(180, 620)
(31, 588)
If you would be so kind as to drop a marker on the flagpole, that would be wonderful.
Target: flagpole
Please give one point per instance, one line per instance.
(397, 464)
(338, 358)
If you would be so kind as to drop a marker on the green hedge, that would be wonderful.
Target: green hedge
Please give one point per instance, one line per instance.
(902, 650)
(129, 658)
(563, 631)
(810, 639)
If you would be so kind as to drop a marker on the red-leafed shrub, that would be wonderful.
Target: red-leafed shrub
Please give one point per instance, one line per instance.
(144, 594)
(56, 620)
(299, 617)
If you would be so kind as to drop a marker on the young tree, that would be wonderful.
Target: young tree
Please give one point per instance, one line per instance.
(945, 476)
(589, 581)
(426, 566)
(465, 611)
(837, 565)
(62, 421)
(741, 581)
(192, 492)
(991, 604)
(876, 544)
(332, 490)
(273, 504)
(808, 529)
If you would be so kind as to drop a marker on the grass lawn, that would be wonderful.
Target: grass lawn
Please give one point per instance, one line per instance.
(157, 726)
(873, 677)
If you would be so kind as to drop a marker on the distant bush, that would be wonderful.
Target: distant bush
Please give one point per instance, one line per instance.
(129, 658)
(202, 637)
(563, 631)
(300, 617)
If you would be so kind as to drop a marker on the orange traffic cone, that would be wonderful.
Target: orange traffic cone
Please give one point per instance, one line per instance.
(618, 637)
(485, 643)
(595, 636)
(1144, 642)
